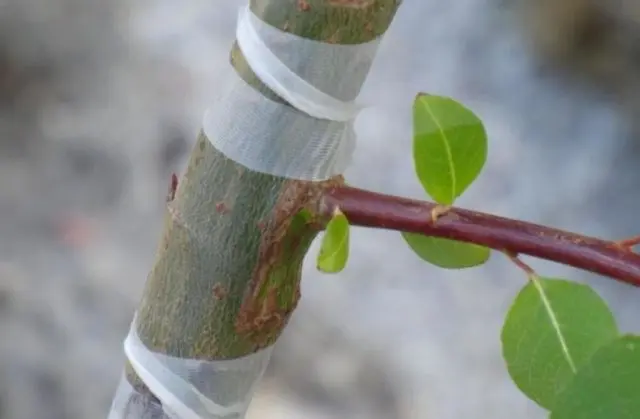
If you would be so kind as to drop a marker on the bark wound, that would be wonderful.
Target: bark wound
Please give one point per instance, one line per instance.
(265, 309)
(173, 186)
(303, 5)
(222, 208)
(219, 291)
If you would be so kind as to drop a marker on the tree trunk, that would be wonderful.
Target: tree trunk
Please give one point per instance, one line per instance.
(226, 277)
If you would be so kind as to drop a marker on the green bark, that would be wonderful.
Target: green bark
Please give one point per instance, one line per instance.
(230, 235)
(226, 277)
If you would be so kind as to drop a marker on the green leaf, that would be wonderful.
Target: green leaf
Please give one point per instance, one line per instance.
(449, 146)
(445, 253)
(334, 250)
(607, 387)
(551, 331)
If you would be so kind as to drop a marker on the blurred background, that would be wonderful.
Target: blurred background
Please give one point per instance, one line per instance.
(101, 101)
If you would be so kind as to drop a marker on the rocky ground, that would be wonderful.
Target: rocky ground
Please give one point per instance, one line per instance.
(99, 103)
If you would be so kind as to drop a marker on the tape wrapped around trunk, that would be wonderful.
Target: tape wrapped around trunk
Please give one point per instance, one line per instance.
(308, 135)
(311, 135)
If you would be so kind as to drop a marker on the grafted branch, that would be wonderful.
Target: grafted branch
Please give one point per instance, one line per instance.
(614, 259)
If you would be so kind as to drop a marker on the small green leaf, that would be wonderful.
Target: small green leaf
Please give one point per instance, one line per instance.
(551, 331)
(607, 387)
(334, 250)
(449, 146)
(445, 253)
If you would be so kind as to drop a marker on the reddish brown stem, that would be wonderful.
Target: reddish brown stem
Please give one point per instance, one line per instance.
(629, 243)
(520, 264)
(370, 209)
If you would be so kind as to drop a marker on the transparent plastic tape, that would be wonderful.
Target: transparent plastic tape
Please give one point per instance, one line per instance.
(190, 388)
(128, 403)
(313, 139)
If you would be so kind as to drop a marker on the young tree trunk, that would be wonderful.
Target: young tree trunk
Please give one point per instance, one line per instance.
(227, 272)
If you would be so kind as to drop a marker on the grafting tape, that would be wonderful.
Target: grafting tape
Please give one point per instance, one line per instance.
(311, 136)
(196, 389)
(280, 79)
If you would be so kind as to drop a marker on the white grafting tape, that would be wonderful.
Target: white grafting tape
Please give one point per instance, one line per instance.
(311, 137)
(285, 83)
(197, 389)
(119, 406)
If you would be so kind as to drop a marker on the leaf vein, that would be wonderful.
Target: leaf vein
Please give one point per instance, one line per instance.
(447, 148)
(556, 324)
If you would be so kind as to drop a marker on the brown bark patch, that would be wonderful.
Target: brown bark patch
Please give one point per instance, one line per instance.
(219, 291)
(304, 6)
(262, 317)
(222, 207)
